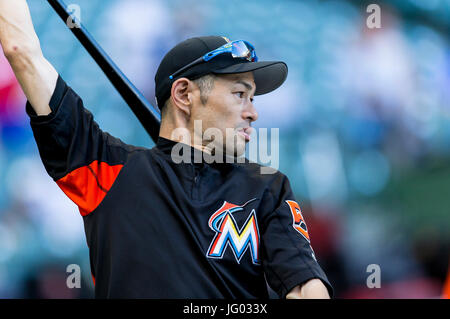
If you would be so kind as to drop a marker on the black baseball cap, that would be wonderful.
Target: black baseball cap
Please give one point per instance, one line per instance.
(268, 75)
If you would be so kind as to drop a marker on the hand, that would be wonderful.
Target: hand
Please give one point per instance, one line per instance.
(312, 289)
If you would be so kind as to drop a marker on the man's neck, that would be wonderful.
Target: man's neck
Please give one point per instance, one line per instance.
(178, 138)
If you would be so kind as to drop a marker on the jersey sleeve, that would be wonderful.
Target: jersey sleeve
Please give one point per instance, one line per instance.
(82, 159)
(288, 258)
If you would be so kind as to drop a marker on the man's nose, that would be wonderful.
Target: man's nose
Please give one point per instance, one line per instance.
(250, 113)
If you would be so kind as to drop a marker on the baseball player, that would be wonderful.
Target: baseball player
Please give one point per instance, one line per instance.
(157, 227)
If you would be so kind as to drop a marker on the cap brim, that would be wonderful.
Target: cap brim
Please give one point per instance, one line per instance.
(269, 75)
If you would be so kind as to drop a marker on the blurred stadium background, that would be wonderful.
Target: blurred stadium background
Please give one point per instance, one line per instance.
(364, 132)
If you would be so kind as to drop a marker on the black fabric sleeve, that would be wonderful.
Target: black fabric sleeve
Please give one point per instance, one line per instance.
(55, 100)
(288, 258)
(82, 159)
(69, 138)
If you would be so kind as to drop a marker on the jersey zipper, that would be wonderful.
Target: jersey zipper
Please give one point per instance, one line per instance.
(196, 178)
(196, 184)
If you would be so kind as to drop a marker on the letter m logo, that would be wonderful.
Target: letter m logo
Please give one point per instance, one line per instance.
(228, 234)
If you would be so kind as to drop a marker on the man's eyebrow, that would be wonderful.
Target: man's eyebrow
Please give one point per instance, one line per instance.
(246, 84)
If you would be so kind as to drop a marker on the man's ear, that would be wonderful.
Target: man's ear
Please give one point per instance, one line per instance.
(181, 99)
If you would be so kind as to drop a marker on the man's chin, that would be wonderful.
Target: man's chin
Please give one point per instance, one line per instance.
(237, 150)
(233, 149)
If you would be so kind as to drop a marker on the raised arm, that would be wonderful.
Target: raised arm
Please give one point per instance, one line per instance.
(21, 47)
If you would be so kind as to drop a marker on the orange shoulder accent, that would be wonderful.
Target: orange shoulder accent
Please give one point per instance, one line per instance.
(446, 290)
(87, 186)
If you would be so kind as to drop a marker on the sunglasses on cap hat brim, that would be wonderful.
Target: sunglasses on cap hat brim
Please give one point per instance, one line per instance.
(239, 49)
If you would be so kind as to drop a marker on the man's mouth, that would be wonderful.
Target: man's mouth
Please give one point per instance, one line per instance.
(245, 132)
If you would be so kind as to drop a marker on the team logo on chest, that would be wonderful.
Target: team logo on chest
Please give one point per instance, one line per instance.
(229, 234)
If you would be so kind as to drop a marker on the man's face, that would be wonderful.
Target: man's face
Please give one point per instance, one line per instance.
(229, 109)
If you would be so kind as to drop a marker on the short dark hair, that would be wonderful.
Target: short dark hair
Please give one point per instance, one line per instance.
(205, 84)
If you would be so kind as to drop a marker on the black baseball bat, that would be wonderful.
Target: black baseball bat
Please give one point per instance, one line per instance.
(147, 114)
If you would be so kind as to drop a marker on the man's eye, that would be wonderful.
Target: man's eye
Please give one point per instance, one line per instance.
(240, 94)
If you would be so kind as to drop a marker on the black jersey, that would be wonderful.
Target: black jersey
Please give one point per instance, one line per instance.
(158, 229)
